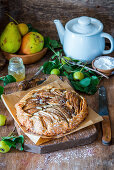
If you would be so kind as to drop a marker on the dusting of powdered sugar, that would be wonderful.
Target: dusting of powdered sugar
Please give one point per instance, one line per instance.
(74, 153)
(70, 157)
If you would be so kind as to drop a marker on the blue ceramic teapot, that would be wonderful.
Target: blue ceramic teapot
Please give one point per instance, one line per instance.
(83, 38)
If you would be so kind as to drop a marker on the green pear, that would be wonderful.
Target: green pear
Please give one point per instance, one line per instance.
(10, 39)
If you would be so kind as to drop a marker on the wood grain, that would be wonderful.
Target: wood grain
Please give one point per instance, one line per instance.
(2, 61)
(4, 8)
(41, 14)
(95, 156)
(106, 128)
(79, 138)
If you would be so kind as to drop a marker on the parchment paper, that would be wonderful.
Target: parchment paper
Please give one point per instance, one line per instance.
(11, 99)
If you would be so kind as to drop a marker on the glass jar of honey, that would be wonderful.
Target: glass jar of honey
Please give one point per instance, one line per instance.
(16, 68)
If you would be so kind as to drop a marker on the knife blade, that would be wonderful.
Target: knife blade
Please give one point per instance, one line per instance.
(103, 111)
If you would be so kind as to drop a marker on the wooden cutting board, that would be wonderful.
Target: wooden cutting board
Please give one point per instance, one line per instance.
(81, 137)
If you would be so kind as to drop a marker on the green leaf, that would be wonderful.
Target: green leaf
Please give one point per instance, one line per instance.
(10, 143)
(57, 63)
(85, 82)
(51, 43)
(86, 74)
(76, 85)
(66, 74)
(8, 79)
(58, 53)
(1, 90)
(55, 44)
(94, 80)
(46, 42)
(70, 77)
(18, 142)
(77, 61)
(67, 68)
(14, 141)
(19, 139)
(92, 89)
(2, 78)
(48, 66)
(53, 56)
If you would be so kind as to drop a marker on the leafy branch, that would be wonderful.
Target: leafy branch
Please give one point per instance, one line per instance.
(88, 68)
(91, 77)
(52, 44)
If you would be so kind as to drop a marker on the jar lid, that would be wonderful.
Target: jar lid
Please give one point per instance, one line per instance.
(16, 61)
(84, 25)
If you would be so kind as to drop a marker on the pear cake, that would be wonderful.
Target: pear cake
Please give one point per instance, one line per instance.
(50, 111)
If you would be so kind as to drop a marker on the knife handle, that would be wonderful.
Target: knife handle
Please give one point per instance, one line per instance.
(26, 84)
(106, 130)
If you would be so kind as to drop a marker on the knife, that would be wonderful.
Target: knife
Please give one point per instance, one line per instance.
(103, 111)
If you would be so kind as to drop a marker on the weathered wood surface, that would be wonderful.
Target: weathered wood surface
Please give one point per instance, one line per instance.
(2, 61)
(93, 156)
(4, 7)
(41, 14)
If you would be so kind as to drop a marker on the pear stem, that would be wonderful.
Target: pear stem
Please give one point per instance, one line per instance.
(12, 18)
(82, 68)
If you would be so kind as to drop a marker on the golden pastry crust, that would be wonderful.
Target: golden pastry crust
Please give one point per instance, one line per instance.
(50, 111)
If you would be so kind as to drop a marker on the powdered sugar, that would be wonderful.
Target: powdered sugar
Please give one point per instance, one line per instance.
(104, 63)
(75, 157)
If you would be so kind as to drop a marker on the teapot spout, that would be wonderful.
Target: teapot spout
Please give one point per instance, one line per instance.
(60, 30)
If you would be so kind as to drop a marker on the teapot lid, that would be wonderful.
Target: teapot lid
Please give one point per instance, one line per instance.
(84, 25)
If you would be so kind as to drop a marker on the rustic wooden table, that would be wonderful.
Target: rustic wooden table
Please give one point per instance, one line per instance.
(92, 156)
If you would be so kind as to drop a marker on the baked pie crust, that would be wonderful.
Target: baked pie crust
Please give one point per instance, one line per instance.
(50, 111)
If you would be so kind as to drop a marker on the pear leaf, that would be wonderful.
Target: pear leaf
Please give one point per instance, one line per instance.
(85, 82)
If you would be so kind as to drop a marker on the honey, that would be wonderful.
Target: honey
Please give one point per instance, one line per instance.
(16, 68)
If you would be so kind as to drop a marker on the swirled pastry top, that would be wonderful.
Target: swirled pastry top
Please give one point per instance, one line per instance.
(51, 111)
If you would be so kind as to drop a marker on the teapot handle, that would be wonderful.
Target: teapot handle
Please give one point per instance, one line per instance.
(108, 36)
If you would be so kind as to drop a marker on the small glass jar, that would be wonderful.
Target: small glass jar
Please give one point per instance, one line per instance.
(16, 68)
